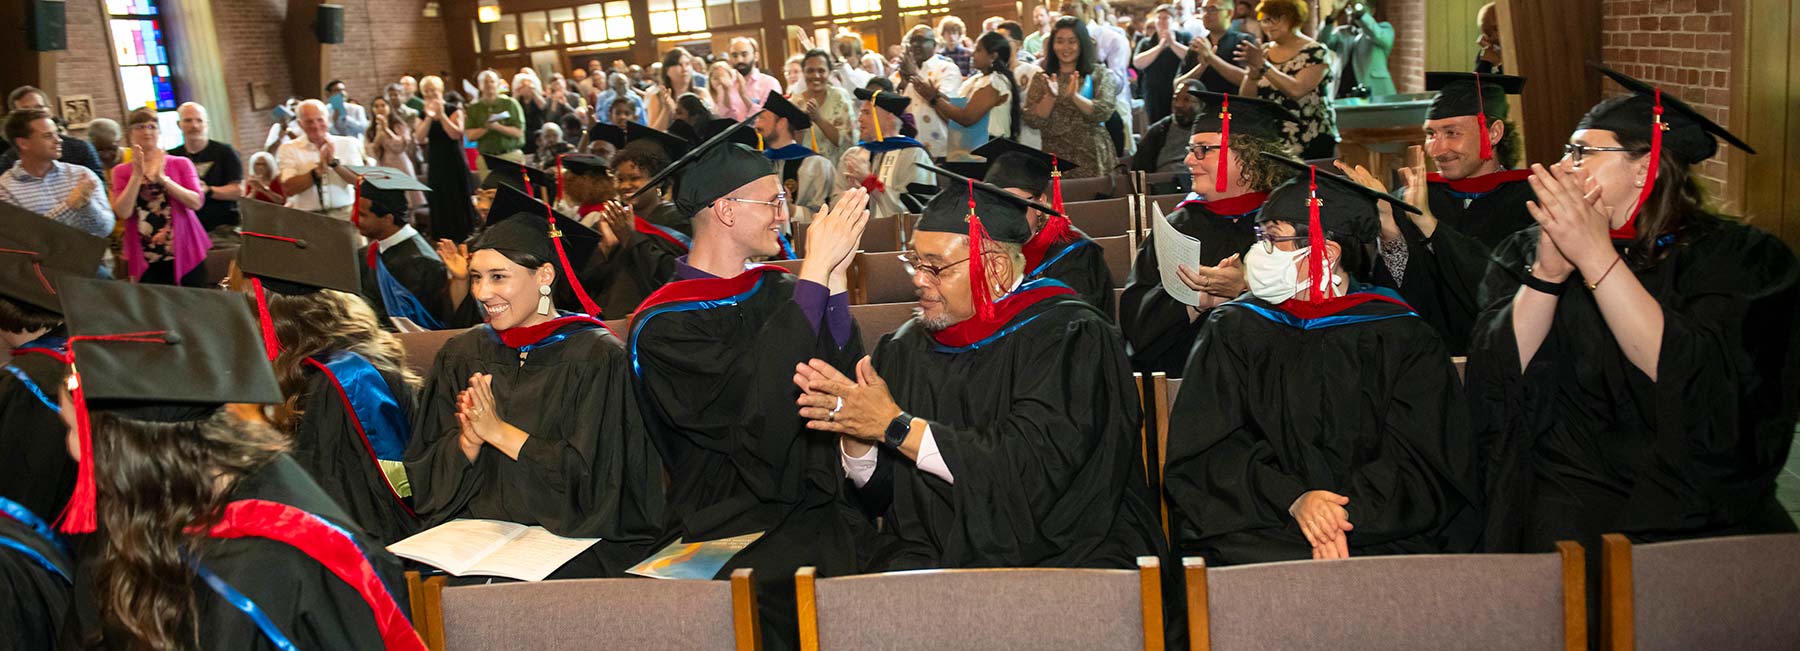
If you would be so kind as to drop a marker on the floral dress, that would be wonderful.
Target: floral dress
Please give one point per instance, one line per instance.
(1070, 134)
(1316, 135)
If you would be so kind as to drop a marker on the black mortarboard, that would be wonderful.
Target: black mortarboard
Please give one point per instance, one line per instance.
(781, 107)
(712, 170)
(1012, 165)
(522, 224)
(894, 103)
(992, 214)
(1471, 93)
(156, 353)
(585, 165)
(37, 254)
(1347, 210)
(297, 252)
(386, 188)
(502, 171)
(1235, 115)
(1663, 120)
(674, 145)
(603, 132)
(746, 137)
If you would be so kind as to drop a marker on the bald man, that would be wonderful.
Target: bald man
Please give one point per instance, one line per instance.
(314, 168)
(220, 170)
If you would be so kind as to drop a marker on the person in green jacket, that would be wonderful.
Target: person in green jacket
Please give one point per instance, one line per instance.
(1361, 45)
(495, 122)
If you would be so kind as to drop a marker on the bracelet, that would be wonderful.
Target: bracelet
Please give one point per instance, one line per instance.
(1543, 286)
(1609, 269)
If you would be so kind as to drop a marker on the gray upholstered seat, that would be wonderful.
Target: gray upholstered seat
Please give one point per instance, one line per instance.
(882, 278)
(422, 347)
(876, 319)
(1468, 601)
(1103, 218)
(1118, 251)
(1039, 609)
(1737, 592)
(589, 614)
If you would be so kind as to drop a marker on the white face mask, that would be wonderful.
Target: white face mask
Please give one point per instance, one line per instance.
(1272, 275)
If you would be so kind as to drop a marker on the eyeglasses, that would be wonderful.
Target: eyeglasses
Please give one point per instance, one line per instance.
(913, 265)
(1575, 152)
(1269, 240)
(779, 204)
(1200, 152)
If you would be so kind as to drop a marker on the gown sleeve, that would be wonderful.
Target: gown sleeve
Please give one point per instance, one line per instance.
(1151, 320)
(443, 480)
(327, 444)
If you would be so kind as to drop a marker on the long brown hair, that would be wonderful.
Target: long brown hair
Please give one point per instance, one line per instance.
(326, 321)
(158, 484)
(1677, 207)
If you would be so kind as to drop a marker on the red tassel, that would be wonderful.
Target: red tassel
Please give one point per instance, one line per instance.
(374, 254)
(1056, 198)
(587, 303)
(1657, 127)
(78, 516)
(978, 280)
(1487, 148)
(1224, 145)
(270, 344)
(1315, 239)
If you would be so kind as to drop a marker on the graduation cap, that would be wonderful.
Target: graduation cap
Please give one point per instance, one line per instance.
(674, 146)
(155, 353)
(519, 223)
(1472, 93)
(1013, 165)
(603, 132)
(1662, 119)
(1333, 204)
(294, 252)
(747, 137)
(385, 188)
(981, 211)
(37, 254)
(1252, 117)
(781, 107)
(894, 103)
(519, 175)
(719, 167)
(585, 165)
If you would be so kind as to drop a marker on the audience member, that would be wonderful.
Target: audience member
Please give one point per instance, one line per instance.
(618, 87)
(313, 168)
(1490, 61)
(1360, 46)
(75, 151)
(446, 170)
(990, 93)
(676, 79)
(347, 117)
(828, 108)
(730, 94)
(103, 134)
(550, 146)
(1041, 21)
(41, 183)
(1158, 62)
(923, 66)
(263, 183)
(1299, 82)
(1071, 101)
(495, 122)
(951, 30)
(1164, 147)
(414, 100)
(155, 195)
(221, 171)
(1211, 61)
(390, 144)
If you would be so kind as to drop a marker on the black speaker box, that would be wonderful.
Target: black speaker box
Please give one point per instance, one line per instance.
(328, 24)
(48, 26)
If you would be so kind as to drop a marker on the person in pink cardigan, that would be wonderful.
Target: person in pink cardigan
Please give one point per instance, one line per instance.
(155, 196)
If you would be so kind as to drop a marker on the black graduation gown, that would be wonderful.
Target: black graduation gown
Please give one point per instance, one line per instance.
(1270, 409)
(1444, 272)
(447, 173)
(418, 268)
(310, 605)
(716, 381)
(35, 588)
(620, 282)
(328, 445)
(1039, 428)
(1157, 331)
(35, 470)
(587, 471)
(665, 214)
(1582, 443)
(1080, 264)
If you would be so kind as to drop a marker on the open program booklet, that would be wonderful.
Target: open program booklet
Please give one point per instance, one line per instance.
(491, 548)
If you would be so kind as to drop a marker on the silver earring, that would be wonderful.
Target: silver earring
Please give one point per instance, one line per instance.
(543, 300)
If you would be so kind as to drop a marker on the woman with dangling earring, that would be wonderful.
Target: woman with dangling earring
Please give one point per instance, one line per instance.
(531, 418)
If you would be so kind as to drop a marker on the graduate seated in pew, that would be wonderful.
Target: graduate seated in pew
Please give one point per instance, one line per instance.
(1231, 183)
(588, 187)
(531, 418)
(347, 405)
(885, 162)
(806, 176)
(402, 274)
(1438, 257)
(37, 568)
(1635, 369)
(211, 536)
(713, 354)
(999, 427)
(645, 154)
(1319, 417)
(634, 257)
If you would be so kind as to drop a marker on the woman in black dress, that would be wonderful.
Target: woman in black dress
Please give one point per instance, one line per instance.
(446, 169)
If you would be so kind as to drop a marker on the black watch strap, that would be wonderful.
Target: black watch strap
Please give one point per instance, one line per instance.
(1541, 285)
(897, 430)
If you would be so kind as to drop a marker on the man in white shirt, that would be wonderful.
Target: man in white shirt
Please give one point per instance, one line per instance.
(313, 169)
(923, 65)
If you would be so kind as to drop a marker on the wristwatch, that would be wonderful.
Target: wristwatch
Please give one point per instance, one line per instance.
(333, 163)
(897, 430)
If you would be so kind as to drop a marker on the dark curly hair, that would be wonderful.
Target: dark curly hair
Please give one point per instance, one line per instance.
(1260, 173)
(325, 321)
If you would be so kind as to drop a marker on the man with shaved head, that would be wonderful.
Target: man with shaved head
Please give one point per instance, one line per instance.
(220, 169)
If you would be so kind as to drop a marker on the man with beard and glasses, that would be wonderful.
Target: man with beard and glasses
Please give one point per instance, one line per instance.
(757, 84)
(1164, 146)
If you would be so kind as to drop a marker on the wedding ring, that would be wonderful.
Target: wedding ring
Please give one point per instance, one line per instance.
(832, 417)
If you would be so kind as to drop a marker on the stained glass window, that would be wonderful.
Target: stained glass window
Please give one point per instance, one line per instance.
(139, 42)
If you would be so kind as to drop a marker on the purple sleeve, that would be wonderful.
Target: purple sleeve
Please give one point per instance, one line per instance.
(820, 308)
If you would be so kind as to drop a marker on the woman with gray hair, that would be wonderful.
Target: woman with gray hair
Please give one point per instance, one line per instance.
(103, 133)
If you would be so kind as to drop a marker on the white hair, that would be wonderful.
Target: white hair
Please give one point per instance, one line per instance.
(264, 157)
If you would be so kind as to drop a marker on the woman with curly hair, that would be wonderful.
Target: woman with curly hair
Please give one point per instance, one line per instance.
(1231, 184)
(347, 404)
(210, 535)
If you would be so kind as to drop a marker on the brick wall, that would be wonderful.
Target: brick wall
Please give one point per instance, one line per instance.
(1683, 46)
(250, 40)
(86, 68)
(1407, 61)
